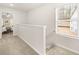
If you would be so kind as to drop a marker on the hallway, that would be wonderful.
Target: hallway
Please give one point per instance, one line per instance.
(13, 45)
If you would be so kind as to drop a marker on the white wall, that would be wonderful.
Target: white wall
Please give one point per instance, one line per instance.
(33, 35)
(40, 16)
(78, 21)
(44, 15)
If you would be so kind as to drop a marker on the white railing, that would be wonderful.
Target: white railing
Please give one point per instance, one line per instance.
(33, 35)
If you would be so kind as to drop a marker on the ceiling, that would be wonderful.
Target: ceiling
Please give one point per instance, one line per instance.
(22, 6)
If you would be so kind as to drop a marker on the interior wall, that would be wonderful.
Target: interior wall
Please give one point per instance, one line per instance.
(33, 35)
(40, 16)
(44, 15)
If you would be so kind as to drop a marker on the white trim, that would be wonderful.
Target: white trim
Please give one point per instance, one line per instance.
(32, 25)
(44, 37)
(67, 48)
(67, 36)
(30, 45)
(56, 10)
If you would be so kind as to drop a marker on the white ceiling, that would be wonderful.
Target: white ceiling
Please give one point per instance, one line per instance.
(22, 6)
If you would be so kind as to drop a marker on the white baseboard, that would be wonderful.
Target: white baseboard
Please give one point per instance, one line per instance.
(62, 46)
(31, 46)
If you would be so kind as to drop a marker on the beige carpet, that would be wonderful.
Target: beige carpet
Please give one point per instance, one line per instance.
(13, 45)
(59, 51)
(66, 31)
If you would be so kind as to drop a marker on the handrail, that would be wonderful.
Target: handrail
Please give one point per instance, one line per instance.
(32, 25)
(33, 35)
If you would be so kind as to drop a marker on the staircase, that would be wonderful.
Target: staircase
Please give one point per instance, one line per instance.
(65, 22)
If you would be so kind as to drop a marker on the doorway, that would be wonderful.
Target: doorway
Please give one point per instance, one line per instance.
(7, 27)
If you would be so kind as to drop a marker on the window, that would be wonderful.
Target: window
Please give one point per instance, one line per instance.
(66, 20)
